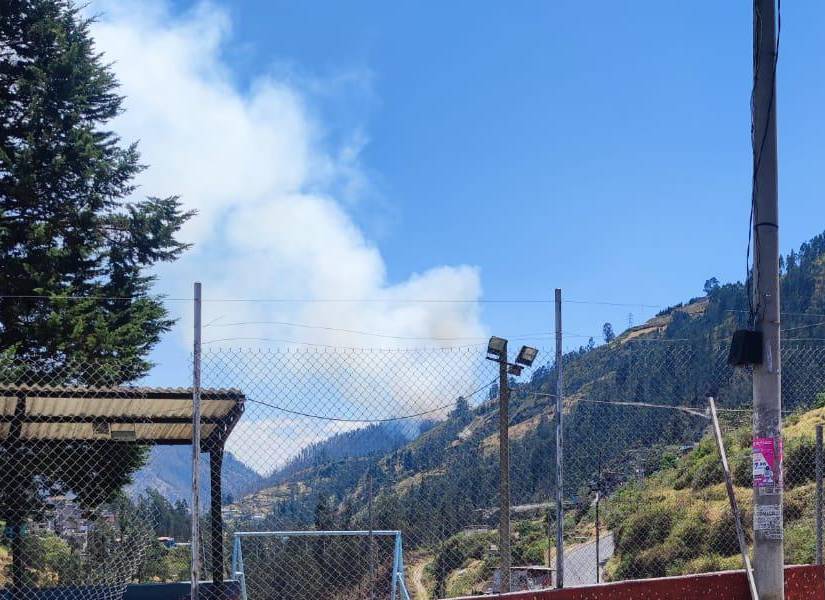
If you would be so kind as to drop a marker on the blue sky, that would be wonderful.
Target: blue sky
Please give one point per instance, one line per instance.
(600, 147)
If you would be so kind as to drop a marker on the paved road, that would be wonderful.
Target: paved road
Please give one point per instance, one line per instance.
(580, 561)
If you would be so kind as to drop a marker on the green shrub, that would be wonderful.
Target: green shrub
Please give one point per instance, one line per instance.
(648, 527)
(533, 553)
(722, 539)
(622, 504)
(708, 472)
(454, 553)
(800, 543)
(691, 532)
(647, 563)
(799, 501)
(800, 458)
(668, 461)
(742, 468)
(709, 563)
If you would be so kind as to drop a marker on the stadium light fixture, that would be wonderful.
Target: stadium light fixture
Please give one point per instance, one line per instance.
(526, 356)
(495, 347)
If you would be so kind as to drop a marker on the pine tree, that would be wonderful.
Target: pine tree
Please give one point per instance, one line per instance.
(75, 248)
(607, 332)
(68, 225)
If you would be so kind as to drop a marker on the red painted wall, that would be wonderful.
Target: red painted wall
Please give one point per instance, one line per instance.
(801, 583)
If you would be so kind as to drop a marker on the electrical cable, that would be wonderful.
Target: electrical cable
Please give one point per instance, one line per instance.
(333, 300)
(373, 334)
(753, 232)
(803, 327)
(382, 420)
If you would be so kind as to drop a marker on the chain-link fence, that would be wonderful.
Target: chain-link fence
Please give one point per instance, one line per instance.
(640, 448)
(358, 444)
(70, 439)
(362, 440)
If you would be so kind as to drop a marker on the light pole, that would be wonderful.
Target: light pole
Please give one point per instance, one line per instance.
(497, 352)
(598, 488)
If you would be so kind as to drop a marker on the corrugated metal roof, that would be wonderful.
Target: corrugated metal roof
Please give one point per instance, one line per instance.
(161, 415)
(126, 391)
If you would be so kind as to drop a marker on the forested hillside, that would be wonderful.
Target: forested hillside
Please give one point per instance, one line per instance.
(446, 479)
(169, 471)
(374, 439)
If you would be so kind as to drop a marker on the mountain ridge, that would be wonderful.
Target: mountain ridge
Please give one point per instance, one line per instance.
(442, 477)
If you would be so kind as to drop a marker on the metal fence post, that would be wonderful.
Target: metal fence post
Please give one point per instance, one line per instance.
(819, 494)
(396, 565)
(371, 536)
(734, 507)
(504, 470)
(598, 558)
(559, 449)
(196, 445)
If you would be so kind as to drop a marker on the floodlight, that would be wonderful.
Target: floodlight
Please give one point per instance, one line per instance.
(496, 346)
(514, 370)
(526, 356)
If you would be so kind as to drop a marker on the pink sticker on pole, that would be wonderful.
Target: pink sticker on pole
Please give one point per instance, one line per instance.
(767, 455)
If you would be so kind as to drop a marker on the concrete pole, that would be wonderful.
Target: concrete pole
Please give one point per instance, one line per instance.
(559, 449)
(767, 386)
(196, 446)
(504, 469)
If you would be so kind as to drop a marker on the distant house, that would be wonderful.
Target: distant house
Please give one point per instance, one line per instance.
(525, 579)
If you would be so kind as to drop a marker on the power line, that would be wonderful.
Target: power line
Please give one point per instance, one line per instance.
(605, 303)
(333, 300)
(381, 420)
(803, 327)
(685, 409)
(330, 346)
(372, 333)
(482, 342)
(784, 314)
(90, 297)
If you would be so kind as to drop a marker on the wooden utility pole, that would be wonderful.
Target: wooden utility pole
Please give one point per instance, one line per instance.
(767, 386)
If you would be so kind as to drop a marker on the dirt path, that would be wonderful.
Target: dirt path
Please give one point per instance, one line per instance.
(417, 588)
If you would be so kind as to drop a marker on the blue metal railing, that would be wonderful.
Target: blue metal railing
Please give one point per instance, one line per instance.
(397, 585)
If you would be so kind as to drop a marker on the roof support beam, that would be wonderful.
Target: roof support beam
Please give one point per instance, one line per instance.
(215, 465)
(112, 420)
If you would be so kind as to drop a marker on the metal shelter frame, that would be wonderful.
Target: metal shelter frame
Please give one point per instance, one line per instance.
(32, 415)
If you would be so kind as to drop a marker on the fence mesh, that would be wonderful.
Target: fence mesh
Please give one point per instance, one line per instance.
(71, 436)
(330, 566)
(407, 440)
